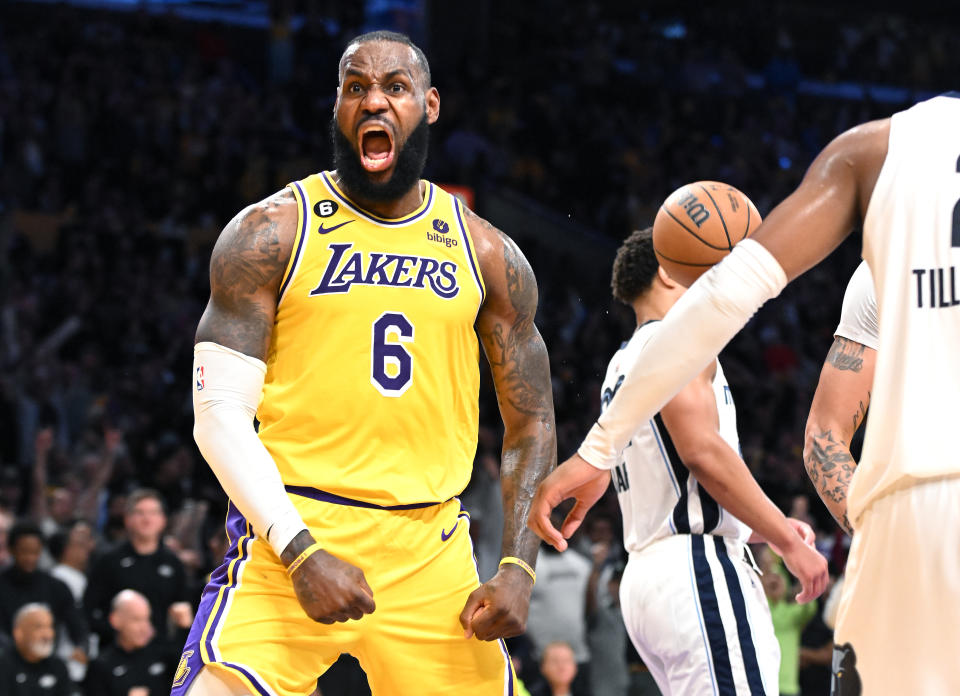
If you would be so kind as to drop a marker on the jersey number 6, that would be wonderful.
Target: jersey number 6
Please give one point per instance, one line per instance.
(391, 354)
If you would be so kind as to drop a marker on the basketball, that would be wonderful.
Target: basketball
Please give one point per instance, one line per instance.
(698, 225)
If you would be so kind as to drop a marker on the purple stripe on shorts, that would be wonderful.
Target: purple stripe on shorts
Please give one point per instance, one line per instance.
(261, 689)
(236, 526)
(325, 497)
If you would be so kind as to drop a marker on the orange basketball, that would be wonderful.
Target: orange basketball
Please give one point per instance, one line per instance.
(698, 225)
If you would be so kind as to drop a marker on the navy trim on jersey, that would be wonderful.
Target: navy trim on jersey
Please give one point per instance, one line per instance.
(374, 218)
(680, 516)
(712, 620)
(747, 649)
(710, 509)
(954, 94)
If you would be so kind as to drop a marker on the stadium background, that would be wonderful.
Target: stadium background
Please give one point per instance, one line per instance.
(130, 133)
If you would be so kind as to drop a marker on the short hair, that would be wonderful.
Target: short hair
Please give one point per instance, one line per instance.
(393, 37)
(635, 266)
(141, 494)
(58, 543)
(24, 528)
(28, 608)
(124, 595)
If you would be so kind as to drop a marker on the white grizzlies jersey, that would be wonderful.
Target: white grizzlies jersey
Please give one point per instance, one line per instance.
(858, 317)
(657, 493)
(911, 241)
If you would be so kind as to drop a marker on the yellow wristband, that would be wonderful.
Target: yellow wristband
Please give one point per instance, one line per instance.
(520, 562)
(298, 561)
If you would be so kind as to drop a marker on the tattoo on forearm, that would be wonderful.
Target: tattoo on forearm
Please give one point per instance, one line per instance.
(846, 355)
(524, 464)
(830, 467)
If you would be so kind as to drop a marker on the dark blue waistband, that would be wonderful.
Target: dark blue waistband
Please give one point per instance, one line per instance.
(324, 496)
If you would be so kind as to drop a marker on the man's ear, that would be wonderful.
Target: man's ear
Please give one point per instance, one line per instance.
(432, 100)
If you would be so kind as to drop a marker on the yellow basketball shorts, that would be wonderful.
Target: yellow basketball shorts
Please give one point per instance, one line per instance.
(418, 561)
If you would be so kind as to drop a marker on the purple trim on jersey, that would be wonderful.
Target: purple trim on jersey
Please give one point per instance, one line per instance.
(508, 676)
(325, 497)
(236, 526)
(373, 218)
(468, 247)
(261, 689)
(303, 235)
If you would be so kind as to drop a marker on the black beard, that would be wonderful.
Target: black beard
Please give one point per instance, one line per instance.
(411, 159)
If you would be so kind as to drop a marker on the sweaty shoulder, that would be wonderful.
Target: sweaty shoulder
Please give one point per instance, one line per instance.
(255, 246)
(505, 269)
(864, 149)
(246, 268)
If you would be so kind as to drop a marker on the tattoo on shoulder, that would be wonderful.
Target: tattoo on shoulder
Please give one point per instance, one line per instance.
(846, 354)
(250, 256)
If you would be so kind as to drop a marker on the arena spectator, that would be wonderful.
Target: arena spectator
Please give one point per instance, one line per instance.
(144, 564)
(135, 660)
(30, 668)
(24, 583)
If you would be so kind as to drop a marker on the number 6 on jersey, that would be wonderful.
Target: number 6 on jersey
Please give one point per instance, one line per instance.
(386, 355)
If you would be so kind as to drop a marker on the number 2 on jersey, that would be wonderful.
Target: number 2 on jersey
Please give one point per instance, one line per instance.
(955, 239)
(390, 331)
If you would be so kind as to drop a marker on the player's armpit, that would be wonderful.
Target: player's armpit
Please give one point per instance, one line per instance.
(521, 373)
(246, 269)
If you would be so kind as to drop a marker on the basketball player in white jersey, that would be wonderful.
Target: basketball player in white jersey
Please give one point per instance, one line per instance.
(898, 626)
(693, 605)
(843, 396)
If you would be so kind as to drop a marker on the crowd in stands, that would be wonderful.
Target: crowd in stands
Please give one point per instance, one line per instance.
(127, 140)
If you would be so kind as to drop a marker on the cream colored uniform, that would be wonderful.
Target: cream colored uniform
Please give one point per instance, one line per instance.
(898, 626)
(370, 411)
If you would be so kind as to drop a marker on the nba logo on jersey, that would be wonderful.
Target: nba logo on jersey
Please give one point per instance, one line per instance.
(200, 384)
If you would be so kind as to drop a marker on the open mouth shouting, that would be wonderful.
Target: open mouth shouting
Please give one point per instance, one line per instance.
(376, 147)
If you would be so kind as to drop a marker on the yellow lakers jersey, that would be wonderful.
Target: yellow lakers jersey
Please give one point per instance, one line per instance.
(372, 380)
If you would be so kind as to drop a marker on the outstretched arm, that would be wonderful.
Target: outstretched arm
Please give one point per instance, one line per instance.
(838, 409)
(521, 374)
(233, 338)
(693, 423)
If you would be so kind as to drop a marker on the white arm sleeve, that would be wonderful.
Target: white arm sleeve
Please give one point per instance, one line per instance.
(692, 333)
(858, 318)
(226, 391)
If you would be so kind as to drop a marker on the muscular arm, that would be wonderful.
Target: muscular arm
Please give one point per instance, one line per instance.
(693, 423)
(245, 271)
(521, 374)
(245, 274)
(839, 406)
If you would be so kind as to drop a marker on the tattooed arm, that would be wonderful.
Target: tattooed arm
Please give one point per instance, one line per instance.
(839, 407)
(245, 270)
(233, 339)
(521, 374)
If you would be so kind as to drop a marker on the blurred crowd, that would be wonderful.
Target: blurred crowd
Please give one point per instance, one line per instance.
(128, 140)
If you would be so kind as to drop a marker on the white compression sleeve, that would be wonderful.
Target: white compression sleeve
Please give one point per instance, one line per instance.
(692, 333)
(226, 392)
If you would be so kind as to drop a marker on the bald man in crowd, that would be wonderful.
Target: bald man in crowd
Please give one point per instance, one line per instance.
(136, 664)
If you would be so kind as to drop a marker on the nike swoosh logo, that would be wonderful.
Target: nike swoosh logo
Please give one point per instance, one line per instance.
(446, 535)
(328, 230)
